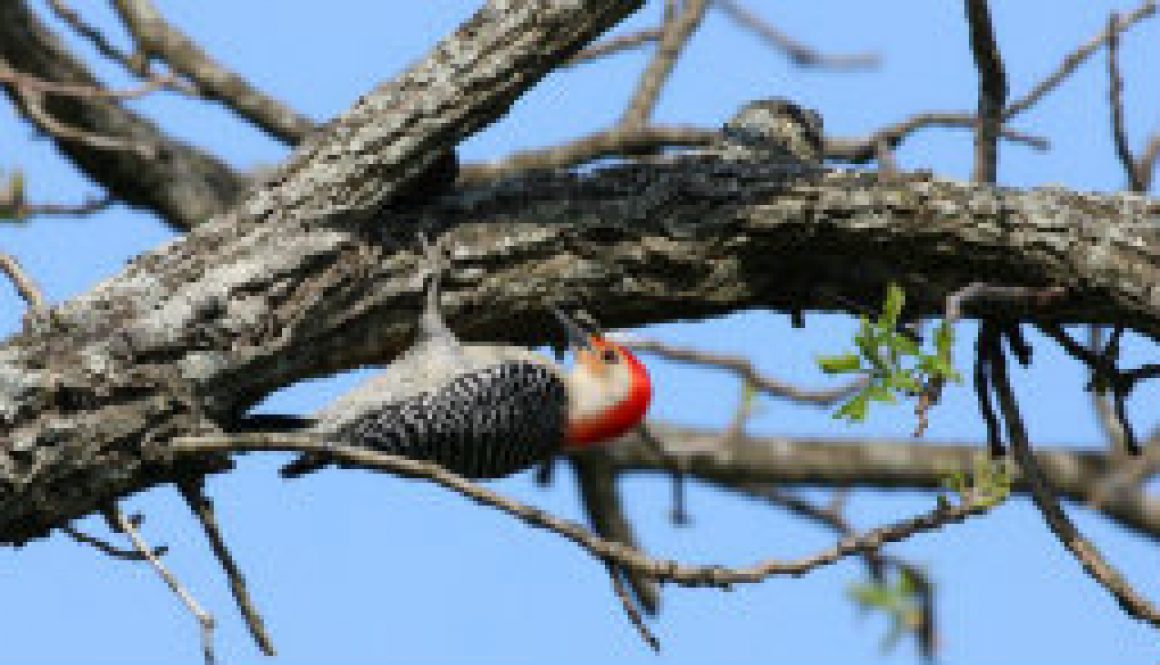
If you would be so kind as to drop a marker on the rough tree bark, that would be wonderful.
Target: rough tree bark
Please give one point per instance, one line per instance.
(313, 271)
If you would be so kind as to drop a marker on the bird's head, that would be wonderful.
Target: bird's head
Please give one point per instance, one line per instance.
(608, 388)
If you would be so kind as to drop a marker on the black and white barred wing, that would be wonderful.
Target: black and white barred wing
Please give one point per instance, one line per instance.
(485, 423)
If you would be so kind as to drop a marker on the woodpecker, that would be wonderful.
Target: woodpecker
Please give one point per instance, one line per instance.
(485, 410)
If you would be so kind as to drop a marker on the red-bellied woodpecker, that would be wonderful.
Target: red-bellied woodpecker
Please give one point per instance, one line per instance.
(484, 410)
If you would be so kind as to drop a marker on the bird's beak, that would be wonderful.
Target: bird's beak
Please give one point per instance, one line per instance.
(577, 338)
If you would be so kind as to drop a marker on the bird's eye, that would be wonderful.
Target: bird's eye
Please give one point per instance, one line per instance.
(609, 356)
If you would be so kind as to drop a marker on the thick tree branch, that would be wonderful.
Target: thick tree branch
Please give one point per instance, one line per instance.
(321, 207)
(210, 324)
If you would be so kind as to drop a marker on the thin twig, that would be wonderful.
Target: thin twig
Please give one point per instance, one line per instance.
(615, 45)
(992, 90)
(1116, 105)
(630, 609)
(675, 34)
(601, 500)
(108, 548)
(891, 136)
(1068, 535)
(205, 619)
(24, 284)
(798, 53)
(616, 142)
(23, 211)
(745, 370)
(30, 101)
(607, 551)
(193, 491)
(1146, 164)
(1073, 60)
(157, 38)
(37, 85)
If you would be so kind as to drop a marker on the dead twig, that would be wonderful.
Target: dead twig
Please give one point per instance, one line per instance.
(193, 491)
(615, 45)
(1073, 60)
(1085, 552)
(33, 84)
(157, 38)
(22, 211)
(992, 90)
(601, 500)
(745, 370)
(616, 142)
(798, 53)
(630, 609)
(108, 548)
(1116, 105)
(205, 619)
(674, 35)
(31, 102)
(891, 136)
(25, 286)
(661, 570)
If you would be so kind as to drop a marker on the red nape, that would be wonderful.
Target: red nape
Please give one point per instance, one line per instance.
(620, 418)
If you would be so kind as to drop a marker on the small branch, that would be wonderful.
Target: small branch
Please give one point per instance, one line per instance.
(158, 38)
(615, 45)
(616, 142)
(992, 91)
(1073, 60)
(890, 137)
(606, 551)
(193, 491)
(1116, 104)
(798, 53)
(32, 84)
(1032, 296)
(745, 370)
(1146, 164)
(675, 34)
(630, 610)
(598, 493)
(25, 286)
(1068, 535)
(23, 211)
(108, 548)
(30, 101)
(204, 618)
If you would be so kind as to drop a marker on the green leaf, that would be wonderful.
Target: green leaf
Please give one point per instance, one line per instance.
(847, 362)
(944, 339)
(895, 299)
(855, 408)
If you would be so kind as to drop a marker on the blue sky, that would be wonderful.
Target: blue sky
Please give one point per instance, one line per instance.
(353, 567)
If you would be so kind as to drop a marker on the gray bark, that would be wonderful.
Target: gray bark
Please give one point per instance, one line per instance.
(314, 271)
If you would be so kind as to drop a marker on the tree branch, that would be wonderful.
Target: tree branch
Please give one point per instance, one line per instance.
(157, 38)
(798, 53)
(1081, 548)
(883, 464)
(182, 184)
(250, 304)
(607, 551)
(992, 90)
(674, 35)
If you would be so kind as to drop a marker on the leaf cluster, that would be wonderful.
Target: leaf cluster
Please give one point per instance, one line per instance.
(892, 361)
